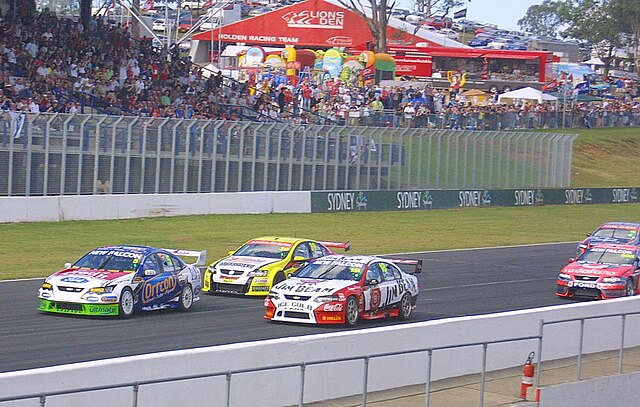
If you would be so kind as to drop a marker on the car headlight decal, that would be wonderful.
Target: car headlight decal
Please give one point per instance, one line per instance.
(326, 298)
(258, 273)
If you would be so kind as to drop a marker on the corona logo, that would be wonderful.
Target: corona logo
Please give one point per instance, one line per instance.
(153, 290)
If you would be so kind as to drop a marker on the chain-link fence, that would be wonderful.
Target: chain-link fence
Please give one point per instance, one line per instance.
(61, 154)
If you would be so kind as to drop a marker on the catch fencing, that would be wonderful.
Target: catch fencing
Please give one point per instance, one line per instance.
(63, 154)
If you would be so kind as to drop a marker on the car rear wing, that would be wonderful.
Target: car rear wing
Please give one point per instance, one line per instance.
(417, 264)
(338, 245)
(202, 256)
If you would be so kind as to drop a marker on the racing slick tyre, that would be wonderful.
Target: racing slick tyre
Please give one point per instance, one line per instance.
(629, 289)
(405, 307)
(351, 312)
(185, 301)
(278, 279)
(125, 305)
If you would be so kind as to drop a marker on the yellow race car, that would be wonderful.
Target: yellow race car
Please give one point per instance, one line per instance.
(262, 263)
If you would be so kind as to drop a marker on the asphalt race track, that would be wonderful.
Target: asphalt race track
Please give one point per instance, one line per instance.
(453, 284)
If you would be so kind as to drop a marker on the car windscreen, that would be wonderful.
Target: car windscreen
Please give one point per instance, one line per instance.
(271, 251)
(617, 233)
(110, 260)
(608, 257)
(331, 271)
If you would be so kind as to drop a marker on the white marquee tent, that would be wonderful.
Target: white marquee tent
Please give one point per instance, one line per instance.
(527, 93)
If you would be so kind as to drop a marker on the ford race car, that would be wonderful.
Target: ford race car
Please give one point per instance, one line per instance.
(613, 233)
(118, 280)
(342, 289)
(263, 262)
(602, 272)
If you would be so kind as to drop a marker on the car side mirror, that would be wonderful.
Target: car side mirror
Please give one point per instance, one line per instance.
(230, 252)
(150, 272)
(373, 281)
(572, 259)
(299, 258)
(67, 265)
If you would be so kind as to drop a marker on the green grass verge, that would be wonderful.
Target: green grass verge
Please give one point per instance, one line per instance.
(38, 249)
(601, 158)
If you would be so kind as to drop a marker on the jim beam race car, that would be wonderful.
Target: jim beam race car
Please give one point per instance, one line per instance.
(341, 289)
(611, 233)
(118, 280)
(604, 271)
(261, 263)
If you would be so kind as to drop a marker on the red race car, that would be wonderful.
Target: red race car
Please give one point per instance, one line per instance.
(604, 271)
(340, 289)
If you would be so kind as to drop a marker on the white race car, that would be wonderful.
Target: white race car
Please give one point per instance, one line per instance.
(118, 280)
(342, 289)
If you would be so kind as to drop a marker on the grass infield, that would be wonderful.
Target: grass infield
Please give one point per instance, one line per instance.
(602, 158)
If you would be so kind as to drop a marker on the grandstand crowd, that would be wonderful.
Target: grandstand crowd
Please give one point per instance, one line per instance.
(58, 65)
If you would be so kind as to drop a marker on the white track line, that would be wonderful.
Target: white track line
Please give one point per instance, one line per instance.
(390, 254)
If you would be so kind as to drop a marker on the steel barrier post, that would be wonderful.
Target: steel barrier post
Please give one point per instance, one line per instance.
(83, 146)
(136, 387)
(580, 349)
(365, 379)
(482, 373)
(427, 387)
(623, 323)
(63, 154)
(43, 400)
(187, 153)
(539, 363)
(228, 390)
(127, 170)
(303, 367)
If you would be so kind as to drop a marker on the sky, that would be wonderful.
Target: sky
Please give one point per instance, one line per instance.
(505, 13)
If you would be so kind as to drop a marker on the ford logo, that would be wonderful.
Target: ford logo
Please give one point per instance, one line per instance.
(75, 280)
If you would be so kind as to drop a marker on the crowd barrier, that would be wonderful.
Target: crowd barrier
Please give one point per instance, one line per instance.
(103, 207)
(494, 121)
(309, 368)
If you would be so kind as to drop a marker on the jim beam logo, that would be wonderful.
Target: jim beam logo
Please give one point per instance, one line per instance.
(315, 19)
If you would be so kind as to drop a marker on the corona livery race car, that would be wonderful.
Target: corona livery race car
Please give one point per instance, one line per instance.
(342, 289)
(263, 262)
(604, 271)
(612, 233)
(118, 280)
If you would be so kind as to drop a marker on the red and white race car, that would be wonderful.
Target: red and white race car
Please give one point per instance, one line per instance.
(604, 271)
(340, 289)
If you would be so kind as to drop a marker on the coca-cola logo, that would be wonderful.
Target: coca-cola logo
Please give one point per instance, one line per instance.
(333, 307)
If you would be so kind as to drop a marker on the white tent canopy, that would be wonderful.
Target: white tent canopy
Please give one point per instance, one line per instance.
(527, 93)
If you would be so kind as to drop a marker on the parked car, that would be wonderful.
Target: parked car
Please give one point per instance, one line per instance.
(479, 42)
(450, 33)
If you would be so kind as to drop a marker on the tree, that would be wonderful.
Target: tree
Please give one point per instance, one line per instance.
(376, 14)
(588, 20)
(542, 19)
(627, 13)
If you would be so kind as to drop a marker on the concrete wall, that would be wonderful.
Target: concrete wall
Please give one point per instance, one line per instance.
(101, 207)
(618, 390)
(281, 387)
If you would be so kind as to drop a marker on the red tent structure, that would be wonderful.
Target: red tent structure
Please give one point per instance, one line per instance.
(319, 24)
